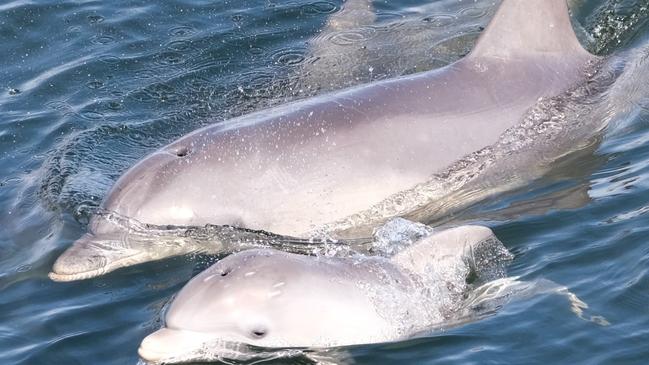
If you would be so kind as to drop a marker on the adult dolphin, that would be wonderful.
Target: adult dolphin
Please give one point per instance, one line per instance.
(419, 147)
(272, 299)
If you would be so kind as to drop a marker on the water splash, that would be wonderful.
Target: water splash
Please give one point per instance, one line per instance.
(495, 294)
(397, 234)
(613, 25)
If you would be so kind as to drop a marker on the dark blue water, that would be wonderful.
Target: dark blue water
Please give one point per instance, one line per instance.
(87, 88)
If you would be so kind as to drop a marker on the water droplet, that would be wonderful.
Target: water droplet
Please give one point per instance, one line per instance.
(256, 51)
(158, 92)
(440, 20)
(179, 45)
(474, 12)
(289, 57)
(350, 37)
(58, 105)
(319, 7)
(74, 29)
(95, 19)
(23, 268)
(181, 31)
(109, 59)
(102, 39)
(274, 293)
(114, 105)
(91, 115)
(95, 84)
(208, 278)
(169, 58)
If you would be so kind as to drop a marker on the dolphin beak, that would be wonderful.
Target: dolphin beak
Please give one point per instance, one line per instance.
(171, 345)
(92, 256)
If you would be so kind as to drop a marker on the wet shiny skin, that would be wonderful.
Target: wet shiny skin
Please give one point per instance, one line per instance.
(116, 80)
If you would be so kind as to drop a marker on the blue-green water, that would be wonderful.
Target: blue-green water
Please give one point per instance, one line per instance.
(87, 88)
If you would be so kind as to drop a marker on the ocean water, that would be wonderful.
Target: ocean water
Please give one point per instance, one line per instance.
(88, 87)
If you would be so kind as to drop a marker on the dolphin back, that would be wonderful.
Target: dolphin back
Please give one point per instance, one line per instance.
(475, 248)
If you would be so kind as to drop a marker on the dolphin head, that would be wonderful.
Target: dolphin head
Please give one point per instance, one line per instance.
(265, 299)
(178, 185)
(159, 190)
(156, 193)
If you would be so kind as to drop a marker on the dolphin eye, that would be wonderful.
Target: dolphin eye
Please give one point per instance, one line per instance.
(259, 333)
(225, 272)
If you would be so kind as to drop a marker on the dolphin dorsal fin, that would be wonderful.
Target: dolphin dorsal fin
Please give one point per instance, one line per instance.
(454, 252)
(444, 248)
(523, 27)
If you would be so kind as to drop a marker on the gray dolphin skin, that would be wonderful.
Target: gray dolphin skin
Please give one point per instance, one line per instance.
(338, 165)
(272, 299)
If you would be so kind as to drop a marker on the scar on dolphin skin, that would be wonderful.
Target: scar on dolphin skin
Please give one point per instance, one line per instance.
(339, 165)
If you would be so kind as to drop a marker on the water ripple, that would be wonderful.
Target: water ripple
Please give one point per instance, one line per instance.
(95, 84)
(102, 39)
(351, 37)
(169, 58)
(108, 82)
(474, 12)
(180, 45)
(182, 31)
(320, 7)
(95, 19)
(288, 57)
(440, 20)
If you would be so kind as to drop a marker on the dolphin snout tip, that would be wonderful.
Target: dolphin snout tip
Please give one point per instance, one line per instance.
(151, 348)
(73, 261)
(149, 355)
(70, 267)
(166, 345)
(94, 255)
(86, 258)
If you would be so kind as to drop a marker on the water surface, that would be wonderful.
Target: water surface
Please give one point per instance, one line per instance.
(87, 88)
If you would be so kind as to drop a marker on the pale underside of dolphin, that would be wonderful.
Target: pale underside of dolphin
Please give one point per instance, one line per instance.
(340, 164)
(272, 299)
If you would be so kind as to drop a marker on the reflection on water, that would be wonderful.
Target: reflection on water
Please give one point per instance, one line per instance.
(87, 89)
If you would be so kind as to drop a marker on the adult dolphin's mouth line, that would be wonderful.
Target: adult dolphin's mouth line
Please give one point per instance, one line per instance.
(64, 271)
(94, 255)
(81, 275)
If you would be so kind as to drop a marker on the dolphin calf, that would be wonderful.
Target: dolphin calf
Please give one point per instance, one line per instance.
(273, 299)
(338, 165)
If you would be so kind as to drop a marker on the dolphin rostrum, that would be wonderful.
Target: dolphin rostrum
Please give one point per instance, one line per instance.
(273, 299)
(338, 165)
